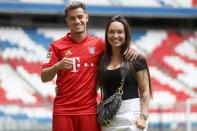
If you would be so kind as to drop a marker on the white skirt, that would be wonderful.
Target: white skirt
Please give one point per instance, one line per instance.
(125, 119)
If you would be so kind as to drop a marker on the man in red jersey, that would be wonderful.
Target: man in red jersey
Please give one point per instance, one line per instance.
(74, 58)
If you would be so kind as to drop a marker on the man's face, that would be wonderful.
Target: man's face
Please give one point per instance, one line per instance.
(77, 21)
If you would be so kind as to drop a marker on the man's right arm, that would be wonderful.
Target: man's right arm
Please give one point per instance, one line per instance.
(49, 73)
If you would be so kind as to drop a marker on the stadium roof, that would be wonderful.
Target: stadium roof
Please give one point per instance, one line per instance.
(58, 9)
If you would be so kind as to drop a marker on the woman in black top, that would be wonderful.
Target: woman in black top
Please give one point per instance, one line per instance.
(133, 113)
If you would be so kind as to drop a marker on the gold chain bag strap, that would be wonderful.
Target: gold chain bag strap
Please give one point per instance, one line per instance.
(108, 108)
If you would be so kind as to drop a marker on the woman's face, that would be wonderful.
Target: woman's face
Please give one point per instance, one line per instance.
(116, 34)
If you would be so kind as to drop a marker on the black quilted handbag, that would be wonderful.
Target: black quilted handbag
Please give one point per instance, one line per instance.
(108, 108)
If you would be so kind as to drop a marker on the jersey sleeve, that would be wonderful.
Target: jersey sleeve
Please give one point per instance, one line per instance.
(102, 46)
(51, 57)
(140, 63)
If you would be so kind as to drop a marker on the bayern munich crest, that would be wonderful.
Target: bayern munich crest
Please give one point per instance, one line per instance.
(91, 50)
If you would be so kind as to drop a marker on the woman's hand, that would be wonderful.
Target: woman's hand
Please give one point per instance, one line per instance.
(141, 123)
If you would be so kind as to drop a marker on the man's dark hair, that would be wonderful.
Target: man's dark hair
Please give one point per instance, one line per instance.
(74, 5)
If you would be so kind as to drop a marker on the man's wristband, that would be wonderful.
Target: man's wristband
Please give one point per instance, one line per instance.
(144, 116)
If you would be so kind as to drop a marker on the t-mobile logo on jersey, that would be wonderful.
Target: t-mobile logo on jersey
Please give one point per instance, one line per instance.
(76, 63)
(75, 60)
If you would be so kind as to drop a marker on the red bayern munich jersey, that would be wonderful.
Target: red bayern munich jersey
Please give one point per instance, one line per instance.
(77, 86)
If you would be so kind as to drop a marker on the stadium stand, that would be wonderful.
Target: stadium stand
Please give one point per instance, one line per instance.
(23, 118)
(21, 62)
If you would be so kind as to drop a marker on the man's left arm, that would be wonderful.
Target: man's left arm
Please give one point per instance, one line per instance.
(131, 53)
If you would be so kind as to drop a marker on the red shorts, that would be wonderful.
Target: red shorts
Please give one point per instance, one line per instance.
(75, 123)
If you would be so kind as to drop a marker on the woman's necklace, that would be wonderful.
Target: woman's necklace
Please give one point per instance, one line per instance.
(114, 65)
